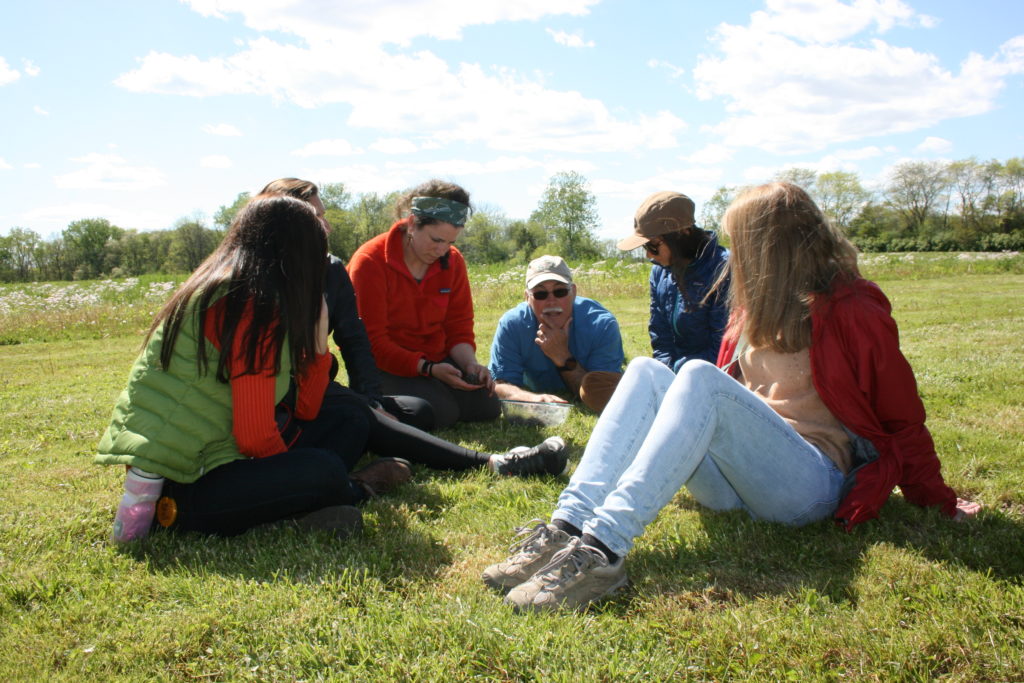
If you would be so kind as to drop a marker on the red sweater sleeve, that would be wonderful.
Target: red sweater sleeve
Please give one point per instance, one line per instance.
(312, 385)
(252, 395)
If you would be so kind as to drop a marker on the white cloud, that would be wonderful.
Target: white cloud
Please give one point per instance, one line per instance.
(393, 146)
(340, 58)
(30, 68)
(693, 182)
(789, 85)
(56, 217)
(934, 145)
(384, 21)
(4, 166)
(673, 70)
(324, 148)
(39, 110)
(570, 39)
(33, 164)
(109, 172)
(224, 129)
(215, 161)
(711, 154)
(7, 74)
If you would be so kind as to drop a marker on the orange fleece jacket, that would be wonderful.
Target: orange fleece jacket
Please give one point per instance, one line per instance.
(408, 320)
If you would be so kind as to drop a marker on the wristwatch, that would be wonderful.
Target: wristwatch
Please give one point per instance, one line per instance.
(570, 364)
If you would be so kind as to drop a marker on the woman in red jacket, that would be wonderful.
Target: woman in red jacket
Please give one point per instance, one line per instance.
(816, 414)
(413, 295)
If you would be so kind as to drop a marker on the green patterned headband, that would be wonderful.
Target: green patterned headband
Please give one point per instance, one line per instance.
(439, 208)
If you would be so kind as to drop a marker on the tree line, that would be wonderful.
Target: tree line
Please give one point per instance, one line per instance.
(965, 205)
(922, 206)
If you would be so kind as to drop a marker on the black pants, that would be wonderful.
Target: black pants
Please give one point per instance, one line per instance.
(392, 438)
(449, 405)
(311, 475)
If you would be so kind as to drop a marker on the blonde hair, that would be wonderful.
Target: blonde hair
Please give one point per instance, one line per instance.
(784, 253)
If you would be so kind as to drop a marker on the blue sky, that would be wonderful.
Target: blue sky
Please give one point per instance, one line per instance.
(147, 112)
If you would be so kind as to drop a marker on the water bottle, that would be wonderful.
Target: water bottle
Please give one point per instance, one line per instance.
(135, 513)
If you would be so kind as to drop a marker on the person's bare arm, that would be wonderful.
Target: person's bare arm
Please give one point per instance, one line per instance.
(511, 392)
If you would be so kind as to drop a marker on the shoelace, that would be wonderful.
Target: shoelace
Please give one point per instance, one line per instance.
(536, 532)
(580, 556)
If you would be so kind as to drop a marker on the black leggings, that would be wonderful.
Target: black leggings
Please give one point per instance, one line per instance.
(311, 475)
(392, 438)
(449, 405)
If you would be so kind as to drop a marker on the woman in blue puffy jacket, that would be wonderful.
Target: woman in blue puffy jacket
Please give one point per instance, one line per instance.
(685, 323)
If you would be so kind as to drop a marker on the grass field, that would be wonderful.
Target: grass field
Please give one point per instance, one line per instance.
(713, 596)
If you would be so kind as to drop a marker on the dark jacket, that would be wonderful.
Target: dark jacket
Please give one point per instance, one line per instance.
(681, 327)
(349, 332)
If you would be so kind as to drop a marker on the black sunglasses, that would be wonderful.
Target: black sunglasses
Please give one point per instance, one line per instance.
(652, 247)
(542, 294)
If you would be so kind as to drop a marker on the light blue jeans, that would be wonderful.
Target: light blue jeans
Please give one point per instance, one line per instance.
(701, 429)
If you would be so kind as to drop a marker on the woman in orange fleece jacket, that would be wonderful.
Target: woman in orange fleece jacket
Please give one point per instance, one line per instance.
(413, 294)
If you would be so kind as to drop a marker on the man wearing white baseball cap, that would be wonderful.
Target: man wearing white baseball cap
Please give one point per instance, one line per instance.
(556, 342)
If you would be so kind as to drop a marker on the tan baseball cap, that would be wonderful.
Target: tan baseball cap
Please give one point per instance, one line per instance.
(661, 213)
(546, 268)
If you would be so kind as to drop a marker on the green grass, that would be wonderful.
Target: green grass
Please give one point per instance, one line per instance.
(714, 596)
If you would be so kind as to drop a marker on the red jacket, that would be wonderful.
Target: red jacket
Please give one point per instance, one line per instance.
(863, 378)
(408, 320)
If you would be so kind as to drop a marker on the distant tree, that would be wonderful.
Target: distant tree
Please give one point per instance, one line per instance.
(805, 178)
(191, 243)
(54, 260)
(86, 243)
(714, 208)
(841, 196)
(225, 214)
(335, 196)
(916, 189)
(19, 254)
(971, 184)
(368, 215)
(525, 237)
(485, 237)
(569, 209)
(1010, 201)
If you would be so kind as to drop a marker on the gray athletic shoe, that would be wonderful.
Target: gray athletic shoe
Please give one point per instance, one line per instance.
(575, 577)
(547, 457)
(528, 555)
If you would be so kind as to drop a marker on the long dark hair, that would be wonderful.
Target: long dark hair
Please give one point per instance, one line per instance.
(684, 246)
(272, 259)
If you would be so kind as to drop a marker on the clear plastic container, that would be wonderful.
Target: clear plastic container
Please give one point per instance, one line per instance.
(135, 513)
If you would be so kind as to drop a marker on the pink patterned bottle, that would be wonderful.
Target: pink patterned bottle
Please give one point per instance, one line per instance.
(135, 513)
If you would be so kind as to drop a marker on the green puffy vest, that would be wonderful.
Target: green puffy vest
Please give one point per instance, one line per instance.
(176, 423)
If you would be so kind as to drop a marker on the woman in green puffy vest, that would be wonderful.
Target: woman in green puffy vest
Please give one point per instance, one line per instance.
(226, 399)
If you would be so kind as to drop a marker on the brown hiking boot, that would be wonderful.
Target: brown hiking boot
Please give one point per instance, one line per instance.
(382, 475)
(341, 520)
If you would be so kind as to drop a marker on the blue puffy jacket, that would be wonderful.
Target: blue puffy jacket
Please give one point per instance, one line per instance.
(682, 327)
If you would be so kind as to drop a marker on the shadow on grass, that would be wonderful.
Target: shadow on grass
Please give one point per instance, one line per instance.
(388, 549)
(740, 556)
